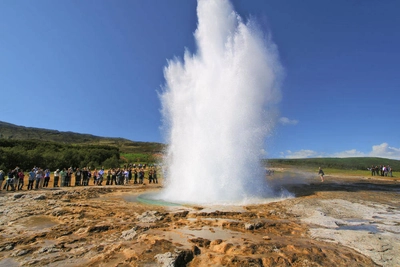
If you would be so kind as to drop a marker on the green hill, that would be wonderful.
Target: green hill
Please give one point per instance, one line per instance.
(134, 151)
(10, 131)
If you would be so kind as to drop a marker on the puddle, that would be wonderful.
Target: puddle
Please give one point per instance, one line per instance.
(149, 198)
(9, 262)
(369, 228)
(209, 233)
(211, 219)
(183, 235)
(37, 223)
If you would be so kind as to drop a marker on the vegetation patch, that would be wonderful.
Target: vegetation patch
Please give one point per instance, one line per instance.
(360, 163)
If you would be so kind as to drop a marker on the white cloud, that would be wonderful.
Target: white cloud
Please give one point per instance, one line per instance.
(383, 151)
(301, 154)
(287, 121)
(348, 154)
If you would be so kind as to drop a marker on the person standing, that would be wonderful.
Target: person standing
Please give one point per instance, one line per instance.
(69, 176)
(89, 175)
(95, 173)
(155, 180)
(100, 176)
(85, 174)
(108, 177)
(63, 175)
(39, 179)
(130, 174)
(78, 177)
(56, 178)
(321, 174)
(10, 181)
(135, 175)
(113, 177)
(46, 178)
(390, 172)
(119, 176)
(1, 178)
(126, 177)
(21, 177)
(31, 179)
(150, 176)
(141, 176)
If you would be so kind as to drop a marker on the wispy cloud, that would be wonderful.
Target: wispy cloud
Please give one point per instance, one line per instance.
(287, 121)
(348, 154)
(383, 150)
(301, 154)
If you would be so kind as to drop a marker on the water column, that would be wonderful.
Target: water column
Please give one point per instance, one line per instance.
(215, 107)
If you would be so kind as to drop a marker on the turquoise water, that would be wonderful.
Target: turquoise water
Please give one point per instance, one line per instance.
(151, 199)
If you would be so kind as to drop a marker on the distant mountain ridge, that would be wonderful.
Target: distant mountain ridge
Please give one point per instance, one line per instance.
(16, 132)
(12, 131)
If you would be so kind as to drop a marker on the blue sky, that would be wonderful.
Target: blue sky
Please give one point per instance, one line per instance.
(96, 66)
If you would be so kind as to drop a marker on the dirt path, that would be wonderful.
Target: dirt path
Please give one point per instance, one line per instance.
(341, 222)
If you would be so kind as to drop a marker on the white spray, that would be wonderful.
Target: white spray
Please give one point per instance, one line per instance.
(214, 106)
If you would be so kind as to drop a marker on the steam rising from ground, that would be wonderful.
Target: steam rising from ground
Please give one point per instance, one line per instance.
(215, 107)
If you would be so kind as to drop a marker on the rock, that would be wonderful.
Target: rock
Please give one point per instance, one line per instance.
(9, 247)
(52, 203)
(253, 226)
(266, 237)
(184, 257)
(21, 252)
(58, 212)
(18, 195)
(182, 214)
(258, 225)
(196, 250)
(150, 217)
(166, 259)
(201, 242)
(65, 233)
(98, 228)
(50, 249)
(39, 197)
(222, 247)
(178, 258)
(248, 226)
(129, 234)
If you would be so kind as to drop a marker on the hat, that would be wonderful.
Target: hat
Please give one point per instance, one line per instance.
(57, 170)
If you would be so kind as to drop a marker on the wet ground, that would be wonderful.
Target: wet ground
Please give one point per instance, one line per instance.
(344, 221)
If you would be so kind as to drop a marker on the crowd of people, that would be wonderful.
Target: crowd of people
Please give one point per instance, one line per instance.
(39, 178)
(381, 170)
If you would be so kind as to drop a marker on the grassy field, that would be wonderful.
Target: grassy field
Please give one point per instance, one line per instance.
(348, 164)
(331, 171)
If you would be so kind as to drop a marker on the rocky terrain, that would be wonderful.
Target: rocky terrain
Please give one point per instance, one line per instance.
(345, 221)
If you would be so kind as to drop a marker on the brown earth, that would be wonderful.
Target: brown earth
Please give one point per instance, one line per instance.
(344, 221)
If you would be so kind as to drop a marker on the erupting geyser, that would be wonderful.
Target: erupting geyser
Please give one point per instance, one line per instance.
(215, 109)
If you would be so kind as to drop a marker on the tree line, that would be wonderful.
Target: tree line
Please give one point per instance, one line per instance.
(52, 155)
